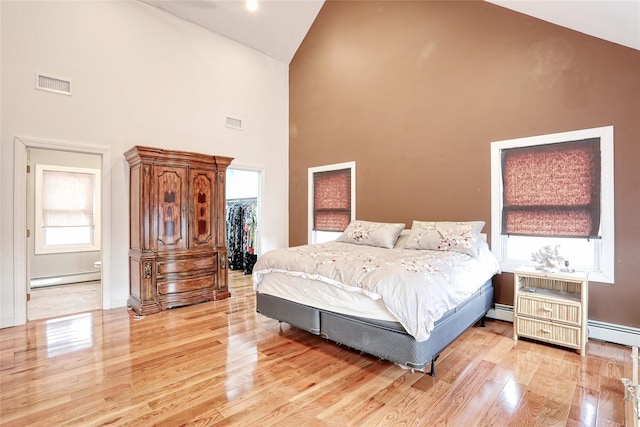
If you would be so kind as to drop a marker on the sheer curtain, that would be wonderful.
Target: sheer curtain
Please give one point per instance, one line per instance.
(67, 199)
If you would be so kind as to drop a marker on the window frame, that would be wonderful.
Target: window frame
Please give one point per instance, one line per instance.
(604, 247)
(324, 236)
(40, 246)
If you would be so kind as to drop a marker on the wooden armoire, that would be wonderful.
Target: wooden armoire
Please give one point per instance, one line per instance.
(177, 247)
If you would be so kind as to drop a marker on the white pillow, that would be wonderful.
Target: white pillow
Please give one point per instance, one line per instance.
(461, 237)
(380, 234)
(402, 239)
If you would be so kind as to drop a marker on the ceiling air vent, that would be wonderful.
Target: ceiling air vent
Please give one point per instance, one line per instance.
(53, 84)
(233, 123)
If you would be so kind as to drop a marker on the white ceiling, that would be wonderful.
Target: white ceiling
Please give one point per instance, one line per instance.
(278, 26)
(617, 21)
(276, 29)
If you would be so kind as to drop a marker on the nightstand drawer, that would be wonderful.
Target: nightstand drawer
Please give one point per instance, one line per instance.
(549, 332)
(565, 311)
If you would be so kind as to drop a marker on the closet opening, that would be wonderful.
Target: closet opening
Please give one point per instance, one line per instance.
(243, 210)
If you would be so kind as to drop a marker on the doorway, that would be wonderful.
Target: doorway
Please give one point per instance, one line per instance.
(243, 218)
(63, 246)
(22, 262)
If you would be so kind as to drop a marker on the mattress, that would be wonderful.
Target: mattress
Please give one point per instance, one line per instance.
(413, 287)
(317, 294)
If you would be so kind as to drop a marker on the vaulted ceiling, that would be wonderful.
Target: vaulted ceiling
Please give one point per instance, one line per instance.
(278, 27)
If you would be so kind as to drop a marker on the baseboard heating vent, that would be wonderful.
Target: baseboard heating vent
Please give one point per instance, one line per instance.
(53, 84)
(232, 122)
(65, 279)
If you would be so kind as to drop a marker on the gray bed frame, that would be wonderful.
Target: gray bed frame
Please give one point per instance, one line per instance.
(384, 339)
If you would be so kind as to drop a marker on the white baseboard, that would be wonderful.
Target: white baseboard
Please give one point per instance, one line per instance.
(117, 303)
(617, 334)
(7, 322)
(501, 312)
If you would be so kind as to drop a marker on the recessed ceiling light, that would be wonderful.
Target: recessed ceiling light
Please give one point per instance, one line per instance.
(252, 5)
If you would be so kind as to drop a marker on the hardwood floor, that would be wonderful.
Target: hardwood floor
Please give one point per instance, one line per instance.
(61, 300)
(221, 363)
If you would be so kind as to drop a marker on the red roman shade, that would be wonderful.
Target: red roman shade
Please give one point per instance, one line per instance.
(552, 190)
(332, 200)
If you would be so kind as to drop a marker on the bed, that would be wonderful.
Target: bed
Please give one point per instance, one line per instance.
(401, 295)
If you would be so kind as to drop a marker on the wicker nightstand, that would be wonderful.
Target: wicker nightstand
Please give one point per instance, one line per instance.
(551, 307)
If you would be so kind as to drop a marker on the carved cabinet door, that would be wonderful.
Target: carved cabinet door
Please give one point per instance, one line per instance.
(202, 215)
(169, 205)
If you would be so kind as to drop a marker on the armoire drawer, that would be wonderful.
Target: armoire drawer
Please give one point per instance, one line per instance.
(185, 284)
(186, 265)
(563, 311)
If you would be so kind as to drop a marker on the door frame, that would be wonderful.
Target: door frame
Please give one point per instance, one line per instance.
(21, 145)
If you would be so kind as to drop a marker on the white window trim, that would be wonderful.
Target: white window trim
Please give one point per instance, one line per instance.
(336, 166)
(607, 222)
(40, 247)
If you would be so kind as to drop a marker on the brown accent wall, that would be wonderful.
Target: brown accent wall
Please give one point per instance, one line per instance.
(416, 91)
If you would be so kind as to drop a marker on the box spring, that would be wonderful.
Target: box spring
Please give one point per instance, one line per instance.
(384, 339)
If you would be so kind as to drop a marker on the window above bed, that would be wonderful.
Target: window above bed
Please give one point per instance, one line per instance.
(553, 190)
(332, 200)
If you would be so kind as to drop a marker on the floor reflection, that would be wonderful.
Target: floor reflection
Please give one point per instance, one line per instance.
(511, 395)
(69, 333)
(242, 353)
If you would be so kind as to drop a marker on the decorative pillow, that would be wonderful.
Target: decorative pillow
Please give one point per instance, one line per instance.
(403, 237)
(461, 237)
(379, 234)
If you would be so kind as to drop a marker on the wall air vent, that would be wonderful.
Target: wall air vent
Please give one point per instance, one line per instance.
(53, 84)
(233, 123)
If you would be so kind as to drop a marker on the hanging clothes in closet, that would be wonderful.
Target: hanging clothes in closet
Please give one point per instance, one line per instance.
(241, 233)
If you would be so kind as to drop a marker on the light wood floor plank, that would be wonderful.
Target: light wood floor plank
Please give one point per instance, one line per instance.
(222, 364)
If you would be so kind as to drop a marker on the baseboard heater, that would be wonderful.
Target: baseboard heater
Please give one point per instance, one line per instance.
(65, 279)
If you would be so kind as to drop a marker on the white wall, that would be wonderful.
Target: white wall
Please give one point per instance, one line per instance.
(139, 77)
(242, 183)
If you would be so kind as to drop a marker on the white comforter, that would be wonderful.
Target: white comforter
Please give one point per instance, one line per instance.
(416, 286)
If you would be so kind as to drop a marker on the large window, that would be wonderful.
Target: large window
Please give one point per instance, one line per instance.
(331, 200)
(555, 190)
(67, 209)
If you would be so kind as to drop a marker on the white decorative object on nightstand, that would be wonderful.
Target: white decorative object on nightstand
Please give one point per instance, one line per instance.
(632, 389)
(551, 307)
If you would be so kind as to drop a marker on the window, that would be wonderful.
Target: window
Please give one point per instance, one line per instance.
(552, 190)
(67, 209)
(555, 190)
(331, 200)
